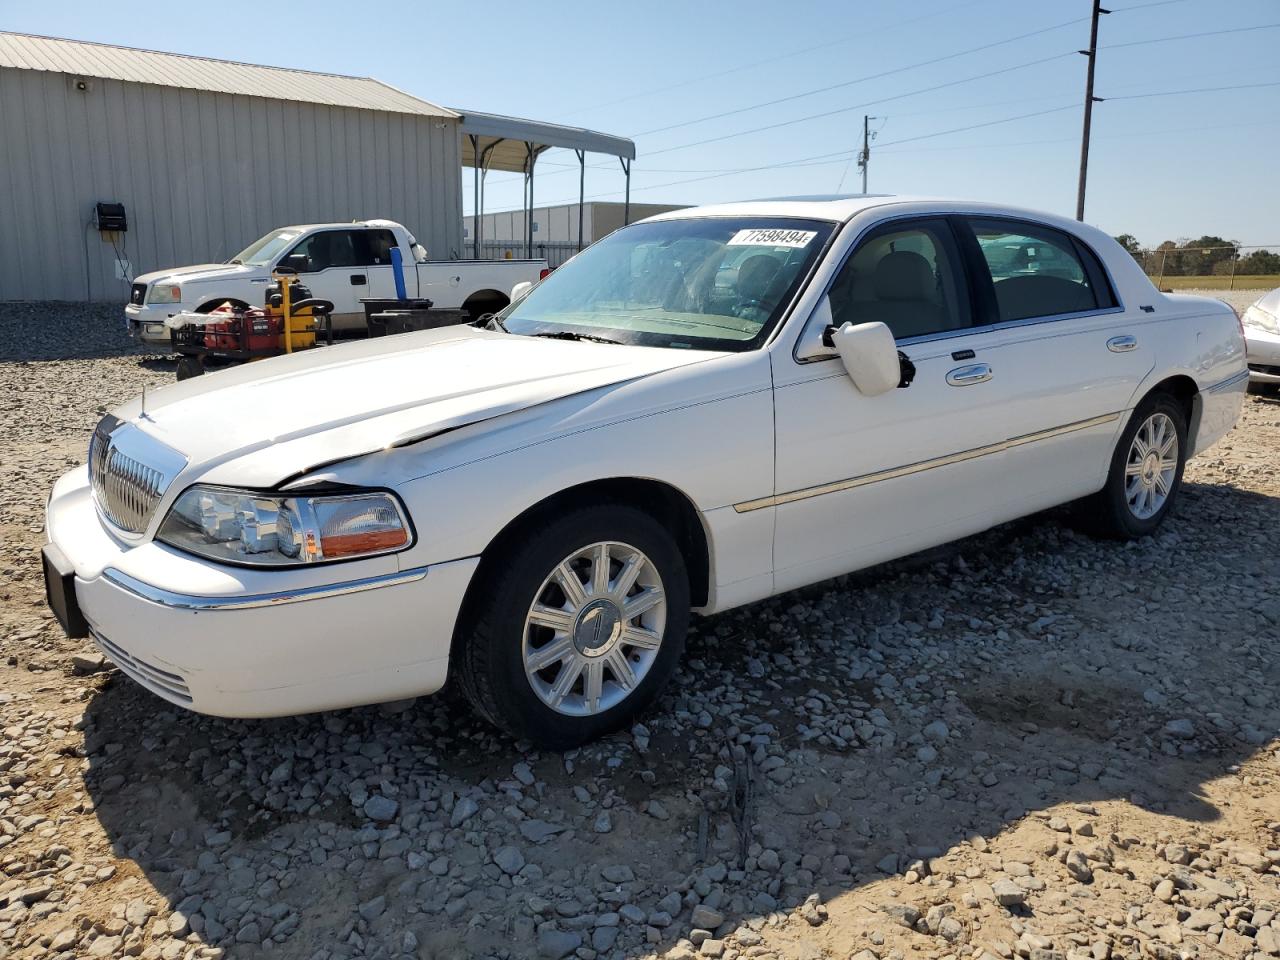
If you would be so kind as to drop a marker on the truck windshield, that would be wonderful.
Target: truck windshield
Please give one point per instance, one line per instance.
(265, 249)
(716, 283)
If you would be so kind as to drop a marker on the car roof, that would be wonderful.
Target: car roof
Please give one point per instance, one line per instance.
(841, 209)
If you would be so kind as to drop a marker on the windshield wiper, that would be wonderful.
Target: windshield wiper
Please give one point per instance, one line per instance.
(491, 322)
(570, 335)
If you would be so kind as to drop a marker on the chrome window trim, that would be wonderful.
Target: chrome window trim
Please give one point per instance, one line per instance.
(968, 331)
(184, 601)
(892, 473)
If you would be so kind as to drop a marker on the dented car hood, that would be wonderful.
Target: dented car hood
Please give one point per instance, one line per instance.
(263, 423)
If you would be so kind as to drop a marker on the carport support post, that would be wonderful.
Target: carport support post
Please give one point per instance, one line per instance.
(531, 158)
(475, 203)
(626, 204)
(582, 189)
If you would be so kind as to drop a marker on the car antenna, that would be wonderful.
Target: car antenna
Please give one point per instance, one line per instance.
(142, 414)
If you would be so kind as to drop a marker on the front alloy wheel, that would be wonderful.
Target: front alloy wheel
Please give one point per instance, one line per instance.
(594, 629)
(574, 624)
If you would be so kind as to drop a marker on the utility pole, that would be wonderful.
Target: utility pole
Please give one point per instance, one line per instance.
(1089, 101)
(864, 157)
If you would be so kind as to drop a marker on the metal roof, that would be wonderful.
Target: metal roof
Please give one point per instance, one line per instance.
(86, 59)
(504, 143)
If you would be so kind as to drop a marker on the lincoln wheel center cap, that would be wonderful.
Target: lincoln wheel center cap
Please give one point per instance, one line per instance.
(1150, 466)
(597, 628)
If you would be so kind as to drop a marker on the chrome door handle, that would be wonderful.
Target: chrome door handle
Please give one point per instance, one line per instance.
(1122, 344)
(969, 375)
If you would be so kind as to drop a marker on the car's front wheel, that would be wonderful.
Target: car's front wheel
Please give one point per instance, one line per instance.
(575, 625)
(1146, 471)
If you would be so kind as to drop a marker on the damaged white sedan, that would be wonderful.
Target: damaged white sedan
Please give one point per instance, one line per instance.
(702, 410)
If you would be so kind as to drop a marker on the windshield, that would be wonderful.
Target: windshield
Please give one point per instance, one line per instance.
(709, 284)
(265, 249)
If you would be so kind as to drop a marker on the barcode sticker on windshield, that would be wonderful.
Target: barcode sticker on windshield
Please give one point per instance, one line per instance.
(772, 238)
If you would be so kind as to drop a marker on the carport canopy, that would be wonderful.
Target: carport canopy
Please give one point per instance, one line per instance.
(494, 142)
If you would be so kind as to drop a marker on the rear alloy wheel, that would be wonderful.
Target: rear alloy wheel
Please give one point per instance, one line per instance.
(1146, 471)
(1151, 467)
(575, 625)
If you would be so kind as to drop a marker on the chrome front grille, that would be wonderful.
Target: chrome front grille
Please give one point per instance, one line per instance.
(129, 473)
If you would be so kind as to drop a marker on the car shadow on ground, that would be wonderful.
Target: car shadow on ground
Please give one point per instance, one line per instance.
(794, 754)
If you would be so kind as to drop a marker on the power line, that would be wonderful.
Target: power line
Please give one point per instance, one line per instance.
(1188, 36)
(753, 63)
(867, 78)
(860, 106)
(1171, 93)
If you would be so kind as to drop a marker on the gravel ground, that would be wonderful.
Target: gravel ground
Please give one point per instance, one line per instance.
(1027, 744)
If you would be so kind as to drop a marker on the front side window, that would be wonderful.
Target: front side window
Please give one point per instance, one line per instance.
(711, 284)
(906, 277)
(329, 248)
(1035, 271)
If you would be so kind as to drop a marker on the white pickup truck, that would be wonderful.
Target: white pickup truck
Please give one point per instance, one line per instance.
(340, 262)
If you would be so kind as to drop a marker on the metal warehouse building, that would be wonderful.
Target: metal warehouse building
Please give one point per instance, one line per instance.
(207, 155)
(555, 228)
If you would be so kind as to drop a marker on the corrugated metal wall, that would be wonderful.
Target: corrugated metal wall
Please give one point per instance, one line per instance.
(201, 175)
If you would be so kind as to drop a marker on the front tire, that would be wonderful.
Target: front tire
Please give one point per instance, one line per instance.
(1146, 471)
(576, 625)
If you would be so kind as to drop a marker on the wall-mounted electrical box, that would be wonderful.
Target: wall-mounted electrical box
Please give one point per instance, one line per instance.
(110, 217)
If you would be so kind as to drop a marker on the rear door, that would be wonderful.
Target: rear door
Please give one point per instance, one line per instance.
(1070, 351)
(334, 270)
(377, 259)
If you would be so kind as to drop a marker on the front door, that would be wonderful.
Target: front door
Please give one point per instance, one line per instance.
(864, 479)
(334, 270)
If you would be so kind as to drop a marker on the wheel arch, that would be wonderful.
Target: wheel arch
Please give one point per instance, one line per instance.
(664, 502)
(487, 300)
(212, 303)
(1186, 391)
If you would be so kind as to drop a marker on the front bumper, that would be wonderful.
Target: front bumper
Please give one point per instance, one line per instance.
(146, 322)
(1262, 352)
(236, 642)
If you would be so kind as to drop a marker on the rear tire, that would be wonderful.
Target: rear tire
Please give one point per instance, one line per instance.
(1146, 472)
(559, 661)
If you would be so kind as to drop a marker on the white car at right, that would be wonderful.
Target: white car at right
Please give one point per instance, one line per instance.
(1261, 324)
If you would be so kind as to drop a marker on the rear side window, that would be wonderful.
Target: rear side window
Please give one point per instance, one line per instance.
(1037, 271)
(380, 244)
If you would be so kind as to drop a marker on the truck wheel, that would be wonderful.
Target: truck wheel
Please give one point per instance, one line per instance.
(1146, 471)
(189, 367)
(577, 626)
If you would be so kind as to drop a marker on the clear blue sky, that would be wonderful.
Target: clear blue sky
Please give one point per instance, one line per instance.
(1162, 167)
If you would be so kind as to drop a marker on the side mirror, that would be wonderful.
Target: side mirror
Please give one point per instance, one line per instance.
(870, 356)
(520, 289)
(297, 262)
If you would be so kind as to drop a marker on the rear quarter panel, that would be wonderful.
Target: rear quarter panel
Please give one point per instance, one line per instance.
(1201, 339)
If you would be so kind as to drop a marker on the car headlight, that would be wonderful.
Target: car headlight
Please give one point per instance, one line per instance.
(1255, 316)
(247, 527)
(165, 293)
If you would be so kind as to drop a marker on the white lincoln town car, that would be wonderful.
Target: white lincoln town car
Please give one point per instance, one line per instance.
(704, 409)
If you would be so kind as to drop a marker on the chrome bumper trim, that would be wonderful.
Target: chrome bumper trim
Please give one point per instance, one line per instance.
(903, 471)
(1229, 382)
(182, 601)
